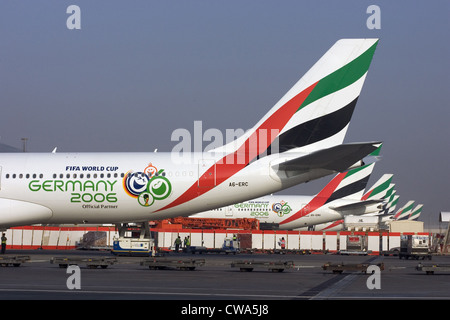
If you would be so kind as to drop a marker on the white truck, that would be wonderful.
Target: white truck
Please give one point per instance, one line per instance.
(415, 247)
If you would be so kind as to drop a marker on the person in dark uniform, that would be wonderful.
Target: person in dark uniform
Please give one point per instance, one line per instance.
(3, 243)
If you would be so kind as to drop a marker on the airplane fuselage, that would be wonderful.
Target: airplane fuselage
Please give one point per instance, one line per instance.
(275, 209)
(123, 187)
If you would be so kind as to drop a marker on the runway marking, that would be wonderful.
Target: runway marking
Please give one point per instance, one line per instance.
(335, 288)
(191, 294)
(332, 287)
(153, 293)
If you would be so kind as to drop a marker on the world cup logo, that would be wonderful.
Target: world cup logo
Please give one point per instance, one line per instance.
(147, 186)
(281, 208)
(136, 183)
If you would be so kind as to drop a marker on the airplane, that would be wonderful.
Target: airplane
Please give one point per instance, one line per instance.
(299, 139)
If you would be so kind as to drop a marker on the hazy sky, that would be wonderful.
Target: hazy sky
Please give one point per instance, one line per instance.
(138, 70)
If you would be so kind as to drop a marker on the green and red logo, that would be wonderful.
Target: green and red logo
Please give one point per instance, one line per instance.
(147, 186)
(281, 208)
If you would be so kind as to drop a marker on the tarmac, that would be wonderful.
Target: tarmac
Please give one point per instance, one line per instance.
(216, 280)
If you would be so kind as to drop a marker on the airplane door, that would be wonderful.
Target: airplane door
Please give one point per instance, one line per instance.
(206, 173)
(228, 211)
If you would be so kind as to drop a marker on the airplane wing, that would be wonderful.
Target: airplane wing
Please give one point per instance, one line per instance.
(338, 158)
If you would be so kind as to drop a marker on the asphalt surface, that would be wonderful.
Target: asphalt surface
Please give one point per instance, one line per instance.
(39, 279)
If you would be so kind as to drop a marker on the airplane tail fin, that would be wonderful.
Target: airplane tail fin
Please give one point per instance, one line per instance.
(378, 190)
(416, 212)
(351, 183)
(345, 185)
(315, 113)
(389, 207)
(404, 211)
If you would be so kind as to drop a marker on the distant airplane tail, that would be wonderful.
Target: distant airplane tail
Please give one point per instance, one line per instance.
(379, 189)
(346, 185)
(416, 213)
(351, 183)
(390, 205)
(404, 212)
(315, 113)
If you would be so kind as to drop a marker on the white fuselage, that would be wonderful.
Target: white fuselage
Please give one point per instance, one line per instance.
(275, 209)
(92, 187)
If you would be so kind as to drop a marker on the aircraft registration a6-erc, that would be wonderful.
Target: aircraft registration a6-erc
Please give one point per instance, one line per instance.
(310, 122)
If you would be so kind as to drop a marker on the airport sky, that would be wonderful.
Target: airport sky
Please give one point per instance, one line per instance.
(138, 70)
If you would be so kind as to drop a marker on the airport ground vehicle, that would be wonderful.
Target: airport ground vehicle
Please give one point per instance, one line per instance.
(134, 239)
(230, 245)
(15, 261)
(274, 266)
(166, 263)
(341, 267)
(431, 269)
(90, 262)
(415, 247)
(356, 245)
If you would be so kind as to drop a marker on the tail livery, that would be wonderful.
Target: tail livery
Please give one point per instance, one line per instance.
(315, 113)
(313, 116)
(416, 212)
(378, 190)
(345, 185)
(404, 212)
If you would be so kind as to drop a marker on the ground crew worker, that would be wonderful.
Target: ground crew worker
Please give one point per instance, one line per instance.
(283, 243)
(188, 242)
(4, 243)
(177, 244)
